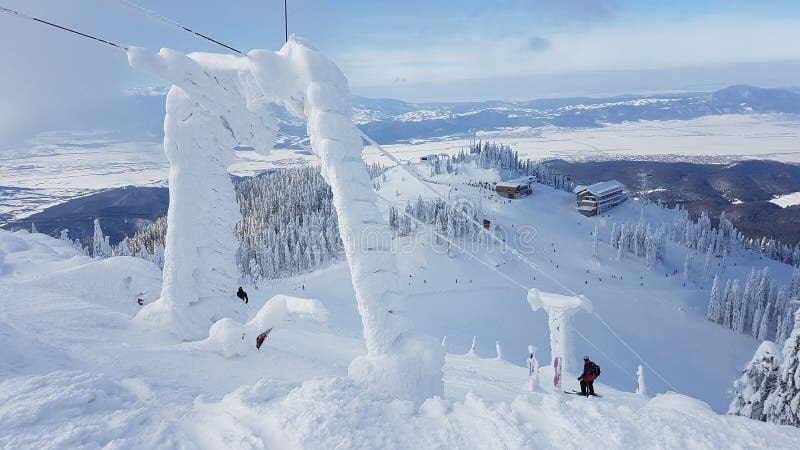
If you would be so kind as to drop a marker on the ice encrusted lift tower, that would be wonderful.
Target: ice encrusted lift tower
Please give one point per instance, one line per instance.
(217, 102)
(560, 309)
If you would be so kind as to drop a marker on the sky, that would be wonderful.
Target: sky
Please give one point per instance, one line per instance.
(415, 50)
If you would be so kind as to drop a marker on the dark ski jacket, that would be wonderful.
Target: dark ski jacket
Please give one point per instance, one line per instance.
(242, 294)
(588, 372)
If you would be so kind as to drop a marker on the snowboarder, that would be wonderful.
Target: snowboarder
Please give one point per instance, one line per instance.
(590, 372)
(242, 295)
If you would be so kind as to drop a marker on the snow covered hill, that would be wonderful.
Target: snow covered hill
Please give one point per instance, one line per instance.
(80, 372)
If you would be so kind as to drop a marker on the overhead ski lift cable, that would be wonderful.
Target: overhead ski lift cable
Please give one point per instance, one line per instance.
(161, 18)
(12, 12)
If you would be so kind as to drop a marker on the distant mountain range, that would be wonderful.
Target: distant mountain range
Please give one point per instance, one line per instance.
(392, 121)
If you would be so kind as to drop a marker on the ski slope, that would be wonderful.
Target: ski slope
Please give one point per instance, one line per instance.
(80, 373)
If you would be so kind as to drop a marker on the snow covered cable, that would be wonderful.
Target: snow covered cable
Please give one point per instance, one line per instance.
(51, 24)
(159, 17)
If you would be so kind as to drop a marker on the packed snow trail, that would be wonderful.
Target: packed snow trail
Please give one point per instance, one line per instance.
(217, 102)
(522, 258)
(502, 274)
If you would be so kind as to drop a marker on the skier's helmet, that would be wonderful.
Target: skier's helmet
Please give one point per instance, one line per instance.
(586, 358)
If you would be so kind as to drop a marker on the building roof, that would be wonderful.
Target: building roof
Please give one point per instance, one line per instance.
(526, 180)
(602, 188)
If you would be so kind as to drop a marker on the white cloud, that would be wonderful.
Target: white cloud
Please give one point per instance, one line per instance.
(639, 46)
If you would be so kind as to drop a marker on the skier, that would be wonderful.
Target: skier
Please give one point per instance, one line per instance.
(590, 372)
(242, 295)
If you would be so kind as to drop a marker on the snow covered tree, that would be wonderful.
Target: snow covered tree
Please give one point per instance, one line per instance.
(714, 313)
(98, 242)
(158, 256)
(737, 318)
(759, 379)
(393, 219)
(64, 236)
(33, 228)
(761, 297)
(724, 264)
(687, 267)
(707, 265)
(615, 235)
(727, 305)
(762, 334)
(747, 301)
(123, 249)
(623, 241)
(595, 239)
(783, 403)
(498, 349)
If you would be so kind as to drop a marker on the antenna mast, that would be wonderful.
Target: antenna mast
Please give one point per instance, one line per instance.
(285, 21)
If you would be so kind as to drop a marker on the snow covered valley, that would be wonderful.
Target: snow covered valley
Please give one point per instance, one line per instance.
(81, 370)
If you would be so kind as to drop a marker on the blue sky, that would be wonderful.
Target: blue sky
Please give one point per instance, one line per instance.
(420, 50)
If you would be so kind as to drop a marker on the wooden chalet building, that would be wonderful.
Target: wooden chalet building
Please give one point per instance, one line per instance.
(600, 197)
(516, 188)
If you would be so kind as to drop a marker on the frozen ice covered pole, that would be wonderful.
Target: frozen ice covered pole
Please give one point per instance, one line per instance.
(308, 84)
(215, 103)
(208, 112)
(560, 309)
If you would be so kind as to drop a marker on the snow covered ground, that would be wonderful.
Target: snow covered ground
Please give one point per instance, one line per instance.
(785, 201)
(78, 372)
(726, 137)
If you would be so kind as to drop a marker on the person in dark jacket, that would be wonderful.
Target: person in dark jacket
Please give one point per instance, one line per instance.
(590, 373)
(242, 294)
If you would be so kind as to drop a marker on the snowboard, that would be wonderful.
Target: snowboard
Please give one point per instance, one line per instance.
(261, 337)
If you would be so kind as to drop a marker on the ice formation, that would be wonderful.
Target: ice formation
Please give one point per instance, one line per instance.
(231, 338)
(217, 102)
(560, 309)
